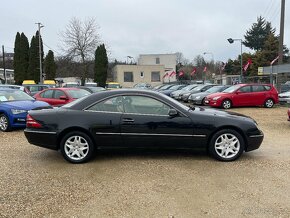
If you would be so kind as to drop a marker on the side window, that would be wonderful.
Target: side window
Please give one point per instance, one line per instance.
(245, 89)
(267, 88)
(258, 88)
(144, 105)
(47, 94)
(58, 93)
(109, 105)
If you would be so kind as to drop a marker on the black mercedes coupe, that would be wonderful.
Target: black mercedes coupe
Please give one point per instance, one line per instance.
(130, 118)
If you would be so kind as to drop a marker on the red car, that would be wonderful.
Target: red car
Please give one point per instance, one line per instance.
(244, 95)
(60, 96)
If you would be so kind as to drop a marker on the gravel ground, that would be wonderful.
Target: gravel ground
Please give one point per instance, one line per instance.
(37, 182)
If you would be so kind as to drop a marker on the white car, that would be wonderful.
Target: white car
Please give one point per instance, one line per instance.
(284, 97)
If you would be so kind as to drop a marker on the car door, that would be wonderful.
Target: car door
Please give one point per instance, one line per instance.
(259, 94)
(146, 123)
(243, 96)
(60, 98)
(47, 96)
(104, 122)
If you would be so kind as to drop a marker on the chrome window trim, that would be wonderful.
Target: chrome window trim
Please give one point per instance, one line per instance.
(130, 94)
(150, 134)
(107, 112)
(41, 132)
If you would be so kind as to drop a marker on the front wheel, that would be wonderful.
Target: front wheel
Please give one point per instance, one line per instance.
(226, 145)
(269, 103)
(4, 123)
(226, 104)
(77, 147)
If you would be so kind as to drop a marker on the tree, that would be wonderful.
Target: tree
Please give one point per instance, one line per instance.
(256, 36)
(17, 62)
(79, 42)
(24, 59)
(49, 66)
(101, 65)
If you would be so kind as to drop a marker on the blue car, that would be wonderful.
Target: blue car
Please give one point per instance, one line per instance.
(14, 105)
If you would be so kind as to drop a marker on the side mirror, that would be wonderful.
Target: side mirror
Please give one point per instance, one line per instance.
(63, 97)
(172, 112)
(238, 92)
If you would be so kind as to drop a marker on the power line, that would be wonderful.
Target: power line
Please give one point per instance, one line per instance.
(51, 49)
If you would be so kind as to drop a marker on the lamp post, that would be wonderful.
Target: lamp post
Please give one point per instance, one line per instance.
(39, 49)
(212, 56)
(230, 40)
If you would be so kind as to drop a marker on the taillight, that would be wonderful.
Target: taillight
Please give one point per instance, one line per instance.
(31, 122)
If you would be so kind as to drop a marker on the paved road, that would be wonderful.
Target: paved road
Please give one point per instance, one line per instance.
(37, 182)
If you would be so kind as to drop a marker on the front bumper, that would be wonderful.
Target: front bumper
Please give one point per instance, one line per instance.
(254, 141)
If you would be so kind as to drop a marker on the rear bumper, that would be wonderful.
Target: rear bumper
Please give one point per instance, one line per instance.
(42, 138)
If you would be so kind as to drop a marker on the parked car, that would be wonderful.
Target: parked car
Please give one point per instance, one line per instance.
(199, 88)
(91, 84)
(285, 87)
(172, 89)
(60, 96)
(8, 86)
(113, 85)
(177, 94)
(14, 105)
(34, 88)
(198, 98)
(165, 87)
(244, 95)
(140, 119)
(142, 86)
(92, 89)
(70, 84)
(284, 97)
(155, 88)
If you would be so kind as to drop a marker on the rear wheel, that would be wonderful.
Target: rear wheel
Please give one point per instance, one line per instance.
(226, 145)
(77, 147)
(269, 103)
(4, 123)
(226, 104)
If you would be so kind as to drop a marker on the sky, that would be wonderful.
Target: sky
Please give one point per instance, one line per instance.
(133, 27)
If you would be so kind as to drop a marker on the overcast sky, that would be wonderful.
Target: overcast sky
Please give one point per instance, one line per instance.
(133, 27)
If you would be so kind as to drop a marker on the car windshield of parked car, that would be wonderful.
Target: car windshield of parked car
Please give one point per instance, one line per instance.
(165, 87)
(198, 88)
(77, 93)
(214, 89)
(97, 89)
(231, 89)
(177, 87)
(14, 95)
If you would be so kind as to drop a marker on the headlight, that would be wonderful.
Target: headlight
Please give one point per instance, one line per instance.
(216, 98)
(197, 97)
(16, 111)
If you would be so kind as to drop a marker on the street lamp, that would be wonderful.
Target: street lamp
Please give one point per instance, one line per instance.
(212, 56)
(39, 49)
(230, 40)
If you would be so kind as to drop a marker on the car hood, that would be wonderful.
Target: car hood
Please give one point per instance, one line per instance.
(25, 105)
(221, 113)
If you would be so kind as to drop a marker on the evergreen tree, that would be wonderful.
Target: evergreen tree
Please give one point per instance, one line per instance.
(17, 62)
(101, 65)
(49, 66)
(256, 36)
(24, 44)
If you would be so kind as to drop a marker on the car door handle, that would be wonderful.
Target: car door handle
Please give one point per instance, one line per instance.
(128, 120)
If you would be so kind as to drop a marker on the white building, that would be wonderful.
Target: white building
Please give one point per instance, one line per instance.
(9, 76)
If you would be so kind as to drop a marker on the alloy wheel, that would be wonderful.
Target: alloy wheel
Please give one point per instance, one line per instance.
(227, 146)
(3, 123)
(226, 104)
(269, 103)
(76, 148)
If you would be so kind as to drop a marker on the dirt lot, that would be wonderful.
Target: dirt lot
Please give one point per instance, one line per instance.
(37, 182)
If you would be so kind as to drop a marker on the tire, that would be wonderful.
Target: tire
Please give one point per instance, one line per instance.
(269, 103)
(202, 101)
(226, 145)
(4, 123)
(226, 104)
(77, 147)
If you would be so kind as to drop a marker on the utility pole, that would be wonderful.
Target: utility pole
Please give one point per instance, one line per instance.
(281, 37)
(39, 49)
(4, 69)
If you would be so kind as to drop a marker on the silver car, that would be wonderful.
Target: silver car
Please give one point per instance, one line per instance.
(284, 97)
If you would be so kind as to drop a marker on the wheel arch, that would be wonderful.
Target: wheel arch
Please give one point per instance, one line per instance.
(71, 129)
(237, 129)
(227, 99)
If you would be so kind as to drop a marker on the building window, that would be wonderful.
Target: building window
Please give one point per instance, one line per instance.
(155, 76)
(128, 77)
(142, 74)
(157, 60)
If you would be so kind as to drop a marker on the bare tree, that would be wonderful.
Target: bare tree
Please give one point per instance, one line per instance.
(79, 42)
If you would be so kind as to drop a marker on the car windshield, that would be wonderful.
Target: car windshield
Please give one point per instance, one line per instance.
(231, 89)
(175, 87)
(198, 88)
(77, 93)
(114, 86)
(165, 87)
(214, 89)
(14, 95)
